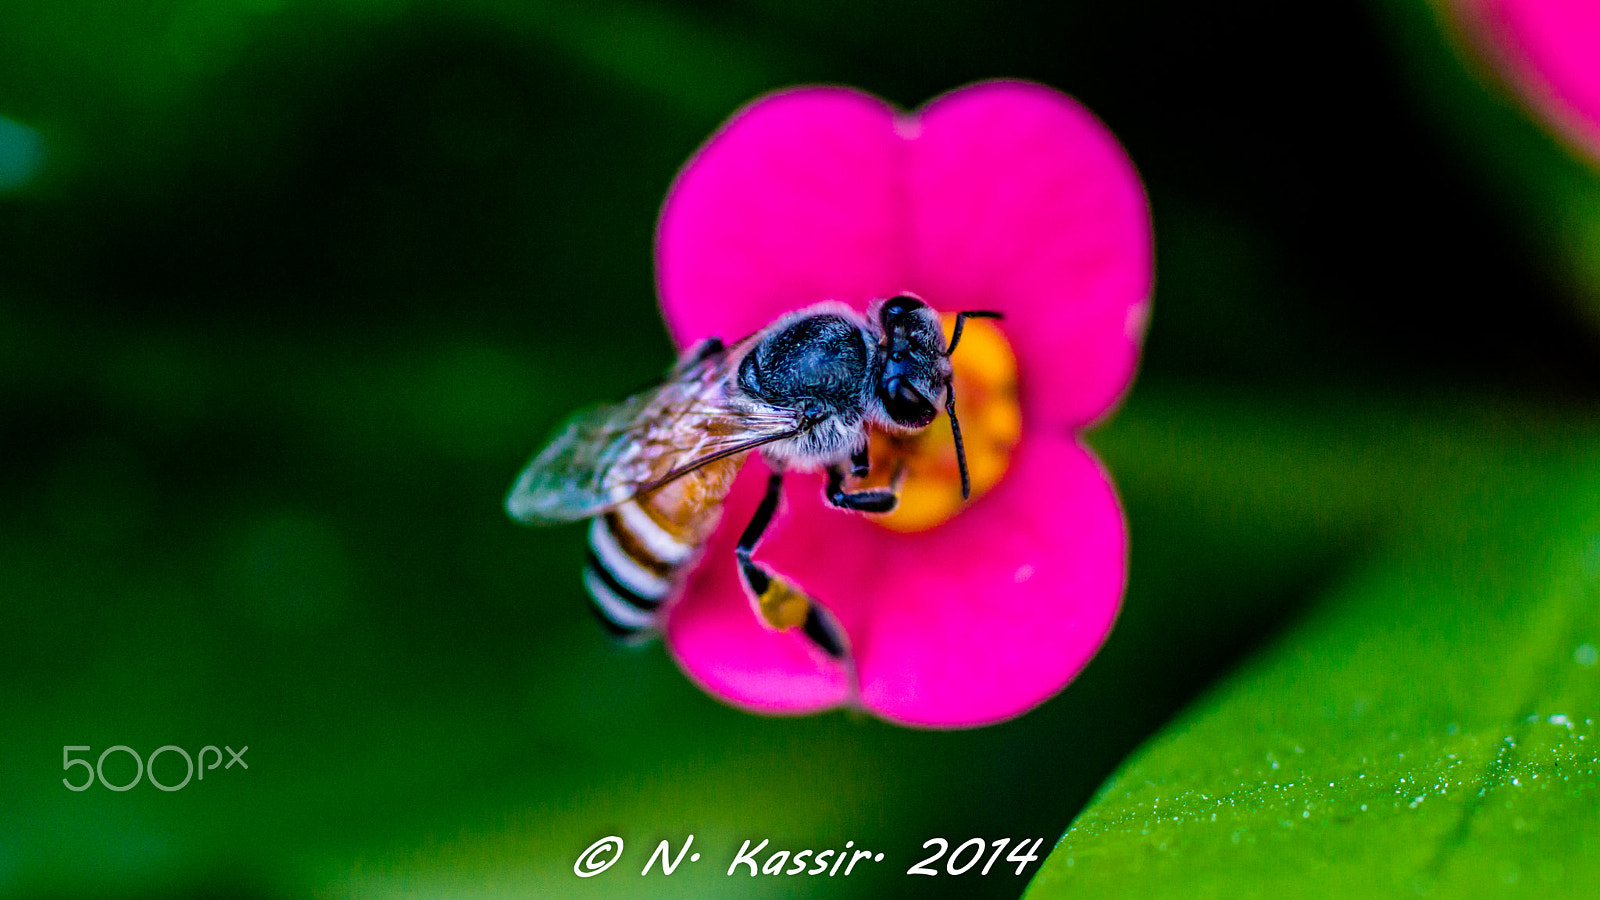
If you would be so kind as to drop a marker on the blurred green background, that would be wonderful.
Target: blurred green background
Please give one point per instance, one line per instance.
(289, 290)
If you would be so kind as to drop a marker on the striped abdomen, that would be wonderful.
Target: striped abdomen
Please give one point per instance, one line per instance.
(639, 551)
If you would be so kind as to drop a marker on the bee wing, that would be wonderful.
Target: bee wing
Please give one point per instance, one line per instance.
(606, 455)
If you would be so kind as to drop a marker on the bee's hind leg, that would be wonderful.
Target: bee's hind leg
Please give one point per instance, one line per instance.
(779, 602)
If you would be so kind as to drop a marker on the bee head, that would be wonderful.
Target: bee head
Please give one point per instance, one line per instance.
(914, 372)
(914, 368)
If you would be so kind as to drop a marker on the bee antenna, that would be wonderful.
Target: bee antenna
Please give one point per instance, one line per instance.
(961, 320)
(955, 432)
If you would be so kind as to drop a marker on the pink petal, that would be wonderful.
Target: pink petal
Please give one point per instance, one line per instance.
(1552, 48)
(966, 624)
(792, 202)
(1002, 195)
(1022, 201)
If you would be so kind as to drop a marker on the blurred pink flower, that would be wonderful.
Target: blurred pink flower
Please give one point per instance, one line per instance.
(1550, 49)
(1000, 195)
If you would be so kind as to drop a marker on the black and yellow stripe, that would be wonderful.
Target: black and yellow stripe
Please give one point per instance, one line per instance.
(632, 567)
(634, 564)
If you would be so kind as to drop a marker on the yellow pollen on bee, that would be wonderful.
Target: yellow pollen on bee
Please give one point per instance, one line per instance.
(783, 605)
(991, 425)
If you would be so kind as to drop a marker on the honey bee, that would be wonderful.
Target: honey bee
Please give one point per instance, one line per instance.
(652, 472)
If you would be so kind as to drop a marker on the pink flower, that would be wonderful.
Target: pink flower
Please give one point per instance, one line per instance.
(1001, 195)
(1551, 52)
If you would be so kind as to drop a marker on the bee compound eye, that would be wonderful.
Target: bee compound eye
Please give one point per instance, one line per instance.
(905, 404)
(898, 307)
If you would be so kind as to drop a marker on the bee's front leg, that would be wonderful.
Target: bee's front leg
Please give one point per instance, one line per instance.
(877, 500)
(780, 604)
(861, 461)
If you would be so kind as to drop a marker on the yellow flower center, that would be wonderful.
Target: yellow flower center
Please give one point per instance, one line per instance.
(991, 425)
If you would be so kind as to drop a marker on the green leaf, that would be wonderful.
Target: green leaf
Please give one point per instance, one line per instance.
(1430, 729)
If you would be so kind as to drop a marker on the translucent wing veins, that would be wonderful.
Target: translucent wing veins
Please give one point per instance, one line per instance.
(606, 455)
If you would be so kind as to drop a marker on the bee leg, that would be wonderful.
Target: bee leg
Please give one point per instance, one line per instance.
(861, 462)
(702, 351)
(779, 602)
(706, 349)
(878, 500)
